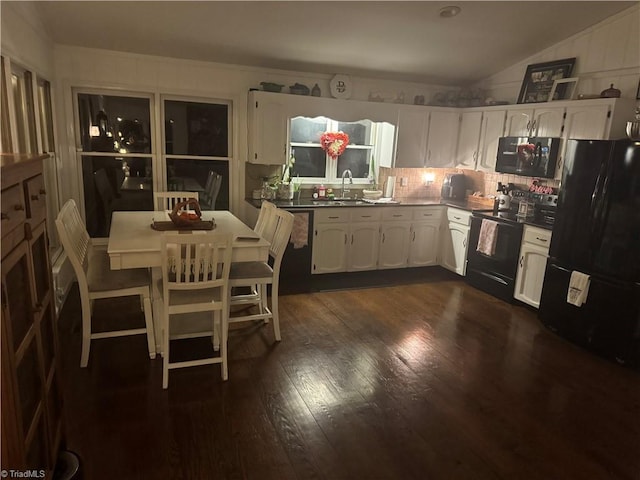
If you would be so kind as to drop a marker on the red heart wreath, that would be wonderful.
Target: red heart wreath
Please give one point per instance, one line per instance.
(334, 143)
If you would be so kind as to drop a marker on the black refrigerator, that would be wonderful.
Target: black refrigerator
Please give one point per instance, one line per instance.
(597, 232)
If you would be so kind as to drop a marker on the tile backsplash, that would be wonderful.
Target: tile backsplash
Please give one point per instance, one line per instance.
(485, 183)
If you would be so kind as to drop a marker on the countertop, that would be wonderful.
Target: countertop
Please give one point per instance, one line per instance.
(308, 203)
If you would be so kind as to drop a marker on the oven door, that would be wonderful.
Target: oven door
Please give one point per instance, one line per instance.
(495, 274)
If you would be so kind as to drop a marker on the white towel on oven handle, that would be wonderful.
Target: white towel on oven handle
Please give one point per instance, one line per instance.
(488, 237)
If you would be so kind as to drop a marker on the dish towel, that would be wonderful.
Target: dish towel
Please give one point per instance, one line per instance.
(488, 237)
(578, 288)
(300, 230)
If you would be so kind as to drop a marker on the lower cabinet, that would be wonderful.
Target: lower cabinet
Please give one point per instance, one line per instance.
(455, 240)
(370, 238)
(532, 265)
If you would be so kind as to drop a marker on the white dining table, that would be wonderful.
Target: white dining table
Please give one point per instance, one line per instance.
(134, 244)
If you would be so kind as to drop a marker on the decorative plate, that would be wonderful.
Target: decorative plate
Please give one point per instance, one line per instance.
(340, 86)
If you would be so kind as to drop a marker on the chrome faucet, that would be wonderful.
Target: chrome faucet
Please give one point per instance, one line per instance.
(344, 174)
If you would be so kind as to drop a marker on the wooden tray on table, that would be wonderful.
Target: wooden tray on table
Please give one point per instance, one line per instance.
(169, 225)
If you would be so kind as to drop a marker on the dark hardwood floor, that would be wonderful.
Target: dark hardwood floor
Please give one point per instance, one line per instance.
(430, 380)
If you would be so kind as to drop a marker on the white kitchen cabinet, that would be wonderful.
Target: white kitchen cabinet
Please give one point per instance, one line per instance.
(425, 236)
(426, 137)
(455, 240)
(330, 248)
(490, 133)
(442, 138)
(469, 140)
(598, 119)
(532, 265)
(413, 127)
(394, 245)
(268, 120)
(345, 239)
(544, 121)
(363, 249)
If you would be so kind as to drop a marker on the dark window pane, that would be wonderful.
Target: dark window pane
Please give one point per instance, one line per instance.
(356, 160)
(359, 132)
(310, 162)
(307, 130)
(114, 183)
(114, 124)
(201, 176)
(196, 128)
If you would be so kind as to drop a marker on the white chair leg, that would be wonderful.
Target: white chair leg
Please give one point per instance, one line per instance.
(165, 350)
(217, 327)
(86, 330)
(274, 311)
(148, 320)
(264, 301)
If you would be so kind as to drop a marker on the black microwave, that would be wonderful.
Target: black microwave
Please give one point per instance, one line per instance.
(528, 156)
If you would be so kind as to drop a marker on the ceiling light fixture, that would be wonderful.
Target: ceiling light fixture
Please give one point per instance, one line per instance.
(450, 11)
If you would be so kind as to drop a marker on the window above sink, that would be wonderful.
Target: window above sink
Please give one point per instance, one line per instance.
(367, 141)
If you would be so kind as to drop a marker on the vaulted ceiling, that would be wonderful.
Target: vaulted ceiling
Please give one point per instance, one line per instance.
(407, 41)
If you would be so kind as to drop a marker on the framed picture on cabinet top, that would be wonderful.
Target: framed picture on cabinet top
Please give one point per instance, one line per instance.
(540, 77)
(570, 83)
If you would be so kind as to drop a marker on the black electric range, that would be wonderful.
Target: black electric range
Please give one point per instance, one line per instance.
(496, 273)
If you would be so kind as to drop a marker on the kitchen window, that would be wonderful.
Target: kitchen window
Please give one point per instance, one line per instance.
(115, 150)
(197, 140)
(367, 141)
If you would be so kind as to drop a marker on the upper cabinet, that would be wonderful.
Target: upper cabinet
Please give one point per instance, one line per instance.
(268, 129)
(543, 121)
(491, 131)
(469, 140)
(426, 137)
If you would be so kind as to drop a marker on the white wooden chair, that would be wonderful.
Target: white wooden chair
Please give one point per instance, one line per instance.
(195, 277)
(262, 274)
(212, 189)
(265, 225)
(167, 200)
(96, 280)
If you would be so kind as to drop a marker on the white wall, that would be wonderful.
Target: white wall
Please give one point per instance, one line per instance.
(23, 38)
(82, 67)
(606, 53)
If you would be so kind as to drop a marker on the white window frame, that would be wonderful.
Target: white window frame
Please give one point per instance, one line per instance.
(330, 177)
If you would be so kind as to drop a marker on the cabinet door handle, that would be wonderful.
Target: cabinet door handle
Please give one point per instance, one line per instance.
(464, 242)
(383, 238)
(365, 216)
(414, 236)
(533, 127)
(528, 126)
(334, 217)
(345, 238)
(351, 239)
(521, 260)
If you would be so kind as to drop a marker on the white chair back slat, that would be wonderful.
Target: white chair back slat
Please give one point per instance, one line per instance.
(266, 223)
(283, 224)
(168, 200)
(74, 238)
(196, 260)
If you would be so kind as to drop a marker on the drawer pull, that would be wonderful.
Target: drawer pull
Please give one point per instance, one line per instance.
(397, 214)
(365, 216)
(541, 239)
(334, 217)
(34, 197)
(19, 207)
(43, 191)
(457, 218)
(427, 214)
(4, 216)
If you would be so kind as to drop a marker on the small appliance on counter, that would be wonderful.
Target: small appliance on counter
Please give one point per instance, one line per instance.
(454, 186)
(504, 197)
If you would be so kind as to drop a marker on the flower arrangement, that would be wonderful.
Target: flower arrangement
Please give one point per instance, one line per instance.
(334, 143)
